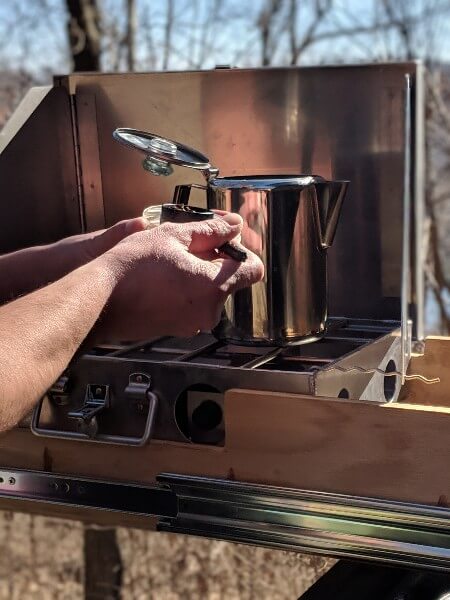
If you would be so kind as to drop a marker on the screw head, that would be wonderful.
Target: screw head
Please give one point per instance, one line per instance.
(11, 480)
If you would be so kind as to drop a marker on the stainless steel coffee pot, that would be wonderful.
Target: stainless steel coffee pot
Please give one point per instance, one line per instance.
(289, 222)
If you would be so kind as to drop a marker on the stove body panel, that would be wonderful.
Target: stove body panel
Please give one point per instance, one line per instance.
(189, 377)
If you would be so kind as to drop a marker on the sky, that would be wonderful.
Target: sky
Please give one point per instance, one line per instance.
(33, 33)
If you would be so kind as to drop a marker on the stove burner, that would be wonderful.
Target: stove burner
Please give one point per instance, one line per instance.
(342, 336)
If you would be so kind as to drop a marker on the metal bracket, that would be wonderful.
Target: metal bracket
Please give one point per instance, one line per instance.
(98, 398)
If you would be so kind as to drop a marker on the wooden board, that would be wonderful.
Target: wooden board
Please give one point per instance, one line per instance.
(434, 363)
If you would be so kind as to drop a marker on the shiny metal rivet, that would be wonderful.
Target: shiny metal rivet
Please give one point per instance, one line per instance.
(98, 390)
(65, 487)
(139, 379)
(54, 486)
(11, 481)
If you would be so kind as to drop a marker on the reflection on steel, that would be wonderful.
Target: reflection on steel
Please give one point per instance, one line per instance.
(334, 525)
(289, 225)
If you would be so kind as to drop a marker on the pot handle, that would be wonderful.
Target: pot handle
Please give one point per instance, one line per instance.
(182, 193)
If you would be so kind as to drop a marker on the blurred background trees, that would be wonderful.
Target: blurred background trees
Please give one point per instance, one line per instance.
(41, 37)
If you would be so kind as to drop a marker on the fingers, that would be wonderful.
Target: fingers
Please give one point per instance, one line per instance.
(229, 217)
(233, 276)
(203, 236)
(134, 225)
(123, 229)
(103, 241)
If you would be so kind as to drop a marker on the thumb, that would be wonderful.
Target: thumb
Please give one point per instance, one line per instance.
(211, 234)
(108, 238)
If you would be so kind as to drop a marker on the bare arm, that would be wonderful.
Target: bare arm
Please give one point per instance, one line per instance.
(40, 333)
(26, 270)
(169, 281)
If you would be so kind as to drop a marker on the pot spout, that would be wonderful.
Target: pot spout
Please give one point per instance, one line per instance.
(329, 197)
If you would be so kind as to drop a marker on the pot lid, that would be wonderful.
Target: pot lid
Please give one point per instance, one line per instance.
(161, 153)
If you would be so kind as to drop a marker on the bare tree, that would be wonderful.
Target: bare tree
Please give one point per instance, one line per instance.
(321, 8)
(168, 34)
(266, 25)
(84, 34)
(130, 38)
(438, 192)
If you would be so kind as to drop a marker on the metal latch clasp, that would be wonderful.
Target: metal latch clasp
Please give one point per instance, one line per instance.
(97, 399)
(59, 392)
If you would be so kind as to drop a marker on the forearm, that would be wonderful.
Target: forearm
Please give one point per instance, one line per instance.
(40, 333)
(26, 270)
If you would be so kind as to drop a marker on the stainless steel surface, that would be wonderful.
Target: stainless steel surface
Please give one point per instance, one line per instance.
(304, 521)
(343, 122)
(344, 526)
(289, 226)
(418, 222)
(406, 237)
(40, 201)
(372, 373)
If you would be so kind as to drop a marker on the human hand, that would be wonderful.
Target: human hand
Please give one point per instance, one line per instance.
(172, 281)
(31, 268)
(87, 246)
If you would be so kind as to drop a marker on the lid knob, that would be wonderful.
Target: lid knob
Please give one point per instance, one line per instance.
(162, 145)
(155, 166)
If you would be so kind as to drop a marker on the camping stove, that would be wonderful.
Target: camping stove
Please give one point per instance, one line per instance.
(173, 389)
